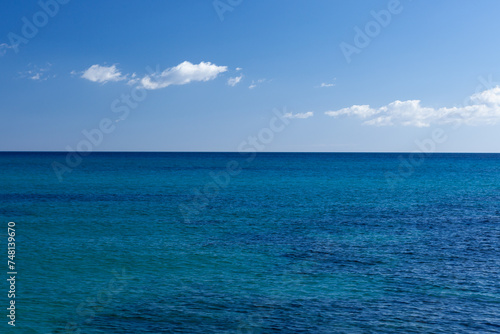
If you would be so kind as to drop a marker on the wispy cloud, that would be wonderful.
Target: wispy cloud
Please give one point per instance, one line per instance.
(299, 115)
(4, 47)
(483, 108)
(238, 68)
(327, 84)
(103, 74)
(182, 74)
(255, 83)
(234, 81)
(37, 73)
(133, 79)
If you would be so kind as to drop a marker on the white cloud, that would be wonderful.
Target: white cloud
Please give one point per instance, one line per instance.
(299, 115)
(255, 82)
(4, 47)
(328, 84)
(362, 111)
(37, 73)
(234, 81)
(181, 74)
(483, 108)
(238, 68)
(103, 74)
(133, 79)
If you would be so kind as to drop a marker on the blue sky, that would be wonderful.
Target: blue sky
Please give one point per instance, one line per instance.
(214, 82)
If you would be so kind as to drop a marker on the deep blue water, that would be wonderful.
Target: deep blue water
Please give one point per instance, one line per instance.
(290, 243)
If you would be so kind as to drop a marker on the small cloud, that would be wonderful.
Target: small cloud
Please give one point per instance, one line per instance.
(4, 47)
(362, 111)
(483, 108)
(182, 74)
(303, 115)
(255, 83)
(133, 79)
(132, 82)
(328, 84)
(234, 81)
(37, 73)
(103, 74)
(238, 68)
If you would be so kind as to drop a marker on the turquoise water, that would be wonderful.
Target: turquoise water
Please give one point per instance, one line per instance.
(291, 243)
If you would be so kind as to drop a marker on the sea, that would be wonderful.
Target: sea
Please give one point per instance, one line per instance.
(154, 242)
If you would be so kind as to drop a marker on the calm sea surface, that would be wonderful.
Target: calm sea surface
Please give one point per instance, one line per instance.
(223, 243)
